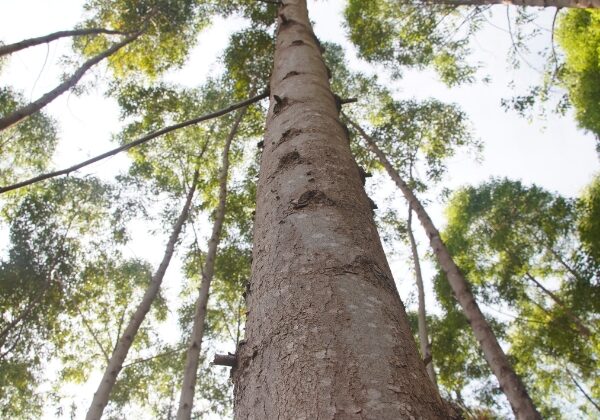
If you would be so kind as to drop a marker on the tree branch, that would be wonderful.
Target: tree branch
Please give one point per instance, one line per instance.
(134, 143)
(48, 97)
(31, 42)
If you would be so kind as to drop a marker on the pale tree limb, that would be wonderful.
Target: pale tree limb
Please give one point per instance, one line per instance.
(115, 364)
(510, 383)
(48, 97)
(134, 143)
(186, 399)
(31, 42)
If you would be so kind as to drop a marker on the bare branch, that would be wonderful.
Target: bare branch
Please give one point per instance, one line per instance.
(31, 42)
(48, 97)
(134, 143)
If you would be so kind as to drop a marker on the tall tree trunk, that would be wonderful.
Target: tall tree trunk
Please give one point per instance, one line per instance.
(326, 333)
(48, 97)
(119, 354)
(31, 42)
(421, 314)
(585, 331)
(510, 383)
(192, 358)
(582, 4)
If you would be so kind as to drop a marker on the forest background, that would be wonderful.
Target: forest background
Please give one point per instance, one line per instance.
(550, 152)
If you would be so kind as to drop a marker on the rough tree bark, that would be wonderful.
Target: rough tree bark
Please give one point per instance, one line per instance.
(509, 381)
(48, 97)
(192, 358)
(119, 354)
(421, 314)
(326, 333)
(31, 42)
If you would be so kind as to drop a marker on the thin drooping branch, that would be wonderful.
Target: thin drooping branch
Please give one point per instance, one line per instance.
(93, 334)
(134, 143)
(585, 394)
(422, 314)
(31, 42)
(510, 383)
(48, 97)
(115, 364)
(156, 356)
(580, 325)
(186, 399)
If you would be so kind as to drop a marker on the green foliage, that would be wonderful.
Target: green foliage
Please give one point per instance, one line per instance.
(26, 148)
(401, 34)
(510, 240)
(53, 232)
(578, 33)
(169, 30)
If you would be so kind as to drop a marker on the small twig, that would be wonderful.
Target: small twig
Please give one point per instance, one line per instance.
(348, 101)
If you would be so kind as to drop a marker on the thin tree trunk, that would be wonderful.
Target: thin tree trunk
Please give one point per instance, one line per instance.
(581, 4)
(48, 97)
(421, 314)
(192, 359)
(578, 323)
(119, 354)
(134, 143)
(510, 383)
(326, 333)
(31, 42)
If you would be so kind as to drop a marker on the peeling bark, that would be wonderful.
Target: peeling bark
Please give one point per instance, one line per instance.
(192, 359)
(326, 333)
(115, 364)
(509, 381)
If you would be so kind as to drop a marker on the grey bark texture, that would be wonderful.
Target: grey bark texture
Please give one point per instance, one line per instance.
(119, 354)
(327, 336)
(421, 312)
(48, 97)
(192, 358)
(509, 381)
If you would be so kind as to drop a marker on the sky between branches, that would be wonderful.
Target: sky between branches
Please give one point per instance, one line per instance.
(553, 154)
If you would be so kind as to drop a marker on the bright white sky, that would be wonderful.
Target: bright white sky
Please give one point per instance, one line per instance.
(553, 154)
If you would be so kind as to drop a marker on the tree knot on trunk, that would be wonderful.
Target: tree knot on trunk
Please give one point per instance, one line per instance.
(288, 134)
(297, 42)
(290, 74)
(312, 197)
(365, 264)
(280, 104)
(289, 159)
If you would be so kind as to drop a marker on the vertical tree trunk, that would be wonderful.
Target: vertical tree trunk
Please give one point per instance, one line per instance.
(48, 97)
(119, 354)
(510, 383)
(421, 314)
(186, 399)
(326, 333)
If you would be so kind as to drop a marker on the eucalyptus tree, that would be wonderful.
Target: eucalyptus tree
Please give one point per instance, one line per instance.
(163, 27)
(315, 344)
(510, 383)
(54, 233)
(418, 138)
(515, 244)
